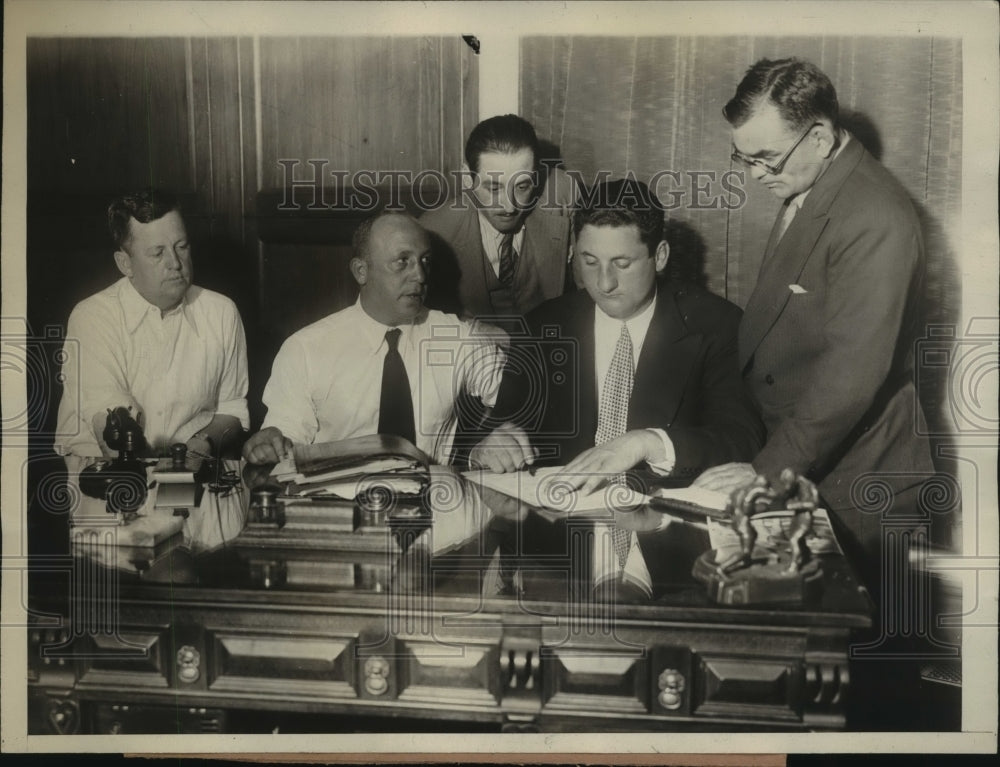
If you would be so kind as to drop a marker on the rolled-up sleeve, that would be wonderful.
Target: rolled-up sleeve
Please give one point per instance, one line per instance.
(286, 395)
(93, 373)
(234, 382)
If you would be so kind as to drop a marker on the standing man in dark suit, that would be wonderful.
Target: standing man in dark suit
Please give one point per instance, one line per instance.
(506, 252)
(685, 409)
(626, 374)
(827, 336)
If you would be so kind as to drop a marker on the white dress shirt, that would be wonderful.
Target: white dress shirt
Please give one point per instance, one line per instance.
(491, 242)
(326, 381)
(180, 369)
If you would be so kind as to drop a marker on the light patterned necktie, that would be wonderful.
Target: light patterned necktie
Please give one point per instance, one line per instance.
(612, 420)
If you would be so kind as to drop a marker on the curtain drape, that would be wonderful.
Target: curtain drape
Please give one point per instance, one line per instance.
(652, 105)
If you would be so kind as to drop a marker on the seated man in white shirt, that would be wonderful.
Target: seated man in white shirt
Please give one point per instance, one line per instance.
(173, 352)
(384, 365)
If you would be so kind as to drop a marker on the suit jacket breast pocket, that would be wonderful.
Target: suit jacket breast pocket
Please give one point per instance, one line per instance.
(804, 303)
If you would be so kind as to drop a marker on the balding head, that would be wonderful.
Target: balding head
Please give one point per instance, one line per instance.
(390, 264)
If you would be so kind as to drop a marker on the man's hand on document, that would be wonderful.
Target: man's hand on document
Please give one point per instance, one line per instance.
(507, 448)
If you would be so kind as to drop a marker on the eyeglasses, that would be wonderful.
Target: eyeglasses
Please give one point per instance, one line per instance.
(779, 166)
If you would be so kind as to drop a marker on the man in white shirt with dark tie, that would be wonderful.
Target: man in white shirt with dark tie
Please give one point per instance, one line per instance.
(386, 364)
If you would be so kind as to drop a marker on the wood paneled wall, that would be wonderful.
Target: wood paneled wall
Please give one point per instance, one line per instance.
(106, 114)
(209, 118)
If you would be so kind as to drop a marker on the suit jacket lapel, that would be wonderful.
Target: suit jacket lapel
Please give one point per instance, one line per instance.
(665, 362)
(781, 269)
(541, 235)
(772, 238)
(783, 266)
(472, 243)
(589, 387)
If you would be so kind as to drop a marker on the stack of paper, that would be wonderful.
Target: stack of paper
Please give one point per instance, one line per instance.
(354, 467)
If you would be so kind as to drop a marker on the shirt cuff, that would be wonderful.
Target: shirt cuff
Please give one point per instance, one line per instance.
(665, 466)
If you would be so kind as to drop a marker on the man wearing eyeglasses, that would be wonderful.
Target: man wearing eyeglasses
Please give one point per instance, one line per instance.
(825, 341)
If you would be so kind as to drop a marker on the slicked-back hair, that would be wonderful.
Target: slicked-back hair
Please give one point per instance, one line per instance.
(362, 238)
(799, 89)
(623, 202)
(144, 206)
(504, 134)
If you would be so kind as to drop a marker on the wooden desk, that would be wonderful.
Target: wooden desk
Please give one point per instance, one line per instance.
(451, 635)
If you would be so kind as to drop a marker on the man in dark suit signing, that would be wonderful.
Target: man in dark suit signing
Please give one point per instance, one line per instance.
(629, 373)
(662, 354)
(504, 251)
(826, 339)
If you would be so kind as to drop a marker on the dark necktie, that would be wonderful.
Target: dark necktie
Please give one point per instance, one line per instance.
(612, 419)
(395, 411)
(786, 220)
(508, 259)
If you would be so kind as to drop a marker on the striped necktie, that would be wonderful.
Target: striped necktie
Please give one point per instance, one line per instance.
(786, 219)
(508, 259)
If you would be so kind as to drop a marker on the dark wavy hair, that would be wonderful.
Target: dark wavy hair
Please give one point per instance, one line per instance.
(144, 206)
(799, 89)
(622, 202)
(504, 134)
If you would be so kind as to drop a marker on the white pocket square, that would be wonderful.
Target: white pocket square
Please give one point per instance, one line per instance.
(797, 288)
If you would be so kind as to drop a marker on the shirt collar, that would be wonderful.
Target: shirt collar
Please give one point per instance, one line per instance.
(372, 332)
(637, 325)
(487, 228)
(136, 308)
(493, 233)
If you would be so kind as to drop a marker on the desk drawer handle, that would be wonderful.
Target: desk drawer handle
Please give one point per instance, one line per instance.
(671, 684)
(188, 664)
(376, 675)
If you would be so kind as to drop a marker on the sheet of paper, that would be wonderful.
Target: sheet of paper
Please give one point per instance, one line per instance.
(550, 488)
(284, 469)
